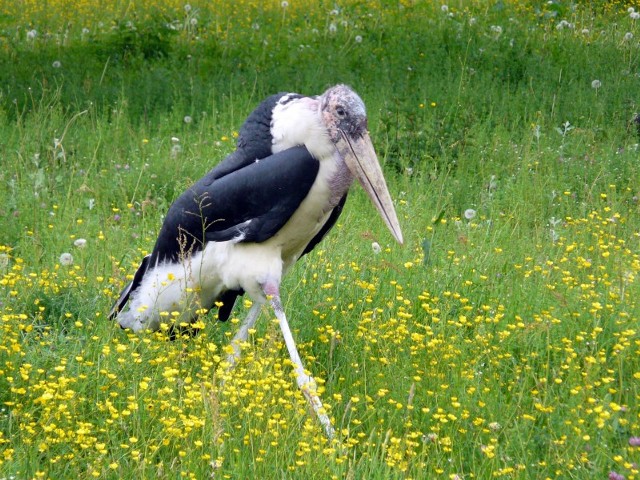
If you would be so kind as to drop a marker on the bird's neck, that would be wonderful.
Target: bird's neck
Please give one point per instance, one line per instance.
(339, 181)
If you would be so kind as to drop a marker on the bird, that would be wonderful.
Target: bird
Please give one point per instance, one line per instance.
(241, 227)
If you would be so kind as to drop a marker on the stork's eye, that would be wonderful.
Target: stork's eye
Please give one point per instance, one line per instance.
(341, 112)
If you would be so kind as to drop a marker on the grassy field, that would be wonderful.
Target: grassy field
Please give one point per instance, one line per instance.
(501, 341)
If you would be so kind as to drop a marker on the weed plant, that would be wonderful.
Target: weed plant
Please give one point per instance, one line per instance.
(501, 341)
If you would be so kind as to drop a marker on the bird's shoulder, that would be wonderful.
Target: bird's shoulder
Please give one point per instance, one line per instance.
(254, 139)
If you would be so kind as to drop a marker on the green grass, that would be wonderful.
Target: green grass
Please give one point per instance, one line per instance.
(501, 341)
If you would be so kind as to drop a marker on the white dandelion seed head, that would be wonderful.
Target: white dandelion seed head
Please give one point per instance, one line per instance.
(497, 29)
(284, 4)
(444, 8)
(31, 34)
(333, 28)
(634, 15)
(256, 26)
(80, 242)
(66, 259)
(187, 7)
(56, 64)
(631, 10)
(85, 31)
(187, 119)
(627, 36)
(375, 246)
(585, 31)
(564, 24)
(176, 150)
(473, 21)
(469, 214)
(596, 84)
(358, 39)
(193, 21)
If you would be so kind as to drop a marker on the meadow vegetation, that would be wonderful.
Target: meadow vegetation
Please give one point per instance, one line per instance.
(501, 341)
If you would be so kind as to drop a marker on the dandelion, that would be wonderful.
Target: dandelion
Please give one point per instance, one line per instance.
(596, 84)
(469, 214)
(31, 34)
(564, 24)
(187, 119)
(85, 31)
(176, 149)
(585, 31)
(187, 8)
(80, 243)
(358, 39)
(375, 246)
(284, 4)
(56, 64)
(193, 21)
(444, 8)
(631, 10)
(333, 28)
(66, 259)
(473, 21)
(634, 15)
(497, 29)
(627, 36)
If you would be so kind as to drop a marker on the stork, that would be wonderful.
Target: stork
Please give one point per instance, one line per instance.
(242, 226)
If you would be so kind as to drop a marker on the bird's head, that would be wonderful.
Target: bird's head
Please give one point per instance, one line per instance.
(345, 118)
(343, 111)
(335, 121)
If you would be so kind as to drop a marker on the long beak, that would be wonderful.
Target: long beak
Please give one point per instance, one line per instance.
(361, 159)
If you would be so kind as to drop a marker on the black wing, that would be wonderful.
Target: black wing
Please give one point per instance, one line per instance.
(248, 205)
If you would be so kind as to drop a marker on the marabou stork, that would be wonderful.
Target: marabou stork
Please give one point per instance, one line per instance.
(243, 225)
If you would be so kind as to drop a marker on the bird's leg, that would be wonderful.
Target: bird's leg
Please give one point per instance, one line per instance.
(243, 333)
(306, 383)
